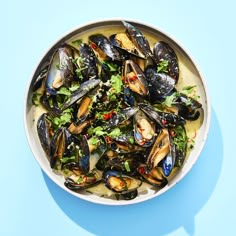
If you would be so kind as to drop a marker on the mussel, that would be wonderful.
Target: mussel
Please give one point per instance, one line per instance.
(43, 129)
(159, 84)
(58, 145)
(135, 78)
(125, 45)
(122, 116)
(84, 89)
(188, 107)
(121, 184)
(86, 61)
(138, 39)
(144, 129)
(103, 48)
(159, 150)
(80, 182)
(154, 177)
(163, 52)
(163, 119)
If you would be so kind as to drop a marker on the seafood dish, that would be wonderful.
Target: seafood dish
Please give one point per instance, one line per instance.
(113, 115)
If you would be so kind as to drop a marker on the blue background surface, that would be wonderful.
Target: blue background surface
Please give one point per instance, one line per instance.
(203, 203)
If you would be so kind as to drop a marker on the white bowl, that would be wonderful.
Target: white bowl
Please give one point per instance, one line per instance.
(187, 66)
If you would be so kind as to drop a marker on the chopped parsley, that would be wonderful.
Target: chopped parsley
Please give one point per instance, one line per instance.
(67, 159)
(126, 165)
(180, 138)
(163, 66)
(63, 119)
(94, 140)
(36, 99)
(77, 42)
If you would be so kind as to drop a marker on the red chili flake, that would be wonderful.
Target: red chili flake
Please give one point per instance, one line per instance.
(133, 78)
(94, 46)
(172, 133)
(164, 122)
(108, 139)
(122, 183)
(141, 170)
(107, 116)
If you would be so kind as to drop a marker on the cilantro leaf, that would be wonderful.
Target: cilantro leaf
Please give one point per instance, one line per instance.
(116, 83)
(115, 133)
(127, 167)
(64, 91)
(163, 66)
(77, 42)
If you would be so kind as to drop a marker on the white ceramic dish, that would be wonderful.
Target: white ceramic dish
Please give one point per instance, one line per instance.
(188, 69)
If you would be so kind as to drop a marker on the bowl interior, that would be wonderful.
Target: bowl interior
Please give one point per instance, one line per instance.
(188, 69)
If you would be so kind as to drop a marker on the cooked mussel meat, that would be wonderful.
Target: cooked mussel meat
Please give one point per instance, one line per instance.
(127, 47)
(80, 182)
(159, 150)
(135, 78)
(144, 129)
(163, 119)
(138, 39)
(103, 48)
(121, 183)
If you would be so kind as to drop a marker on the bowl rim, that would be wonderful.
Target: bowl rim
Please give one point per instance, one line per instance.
(207, 115)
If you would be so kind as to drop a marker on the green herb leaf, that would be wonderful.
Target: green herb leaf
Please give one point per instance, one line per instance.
(94, 140)
(131, 140)
(127, 167)
(163, 66)
(112, 67)
(63, 119)
(180, 139)
(115, 133)
(188, 89)
(67, 159)
(36, 99)
(116, 83)
(74, 87)
(64, 91)
(169, 100)
(77, 42)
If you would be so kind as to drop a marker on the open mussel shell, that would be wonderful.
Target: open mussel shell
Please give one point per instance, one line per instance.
(121, 183)
(135, 78)
(144, 129)
(169, 161)
(126, 164)
(104, 48)
(163, 51)
(122, 116)
(84, 89)
(154, 176)
(58, 145)
(159, 150)
(80, 182)
(163, 119)
(126, 46)
(138, 39)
